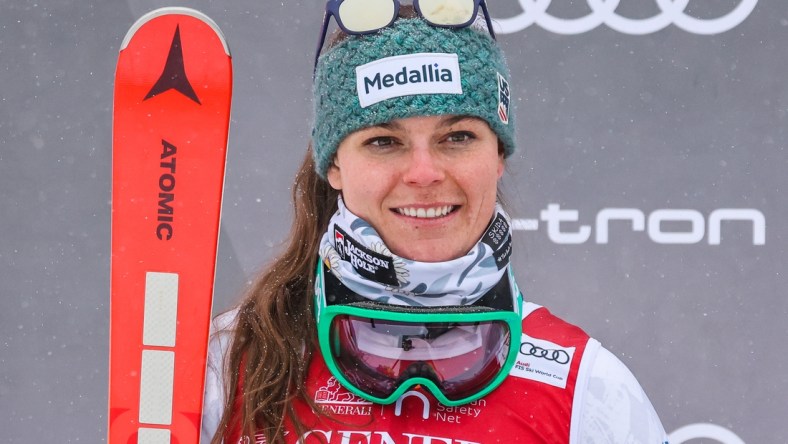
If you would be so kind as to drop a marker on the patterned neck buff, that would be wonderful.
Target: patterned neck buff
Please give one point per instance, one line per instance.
(357, 256)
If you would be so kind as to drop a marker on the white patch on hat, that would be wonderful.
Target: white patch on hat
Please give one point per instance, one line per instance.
(406, 75)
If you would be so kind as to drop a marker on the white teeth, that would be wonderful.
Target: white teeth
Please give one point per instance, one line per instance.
(426, 213)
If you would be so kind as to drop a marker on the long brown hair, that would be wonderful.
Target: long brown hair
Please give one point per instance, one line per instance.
(275, 334)
(273, 340)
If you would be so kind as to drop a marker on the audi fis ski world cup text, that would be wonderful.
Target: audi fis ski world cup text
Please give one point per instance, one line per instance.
(604, 12)
(543, 361)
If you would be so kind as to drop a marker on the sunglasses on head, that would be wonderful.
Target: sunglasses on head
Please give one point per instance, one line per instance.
(360, 17)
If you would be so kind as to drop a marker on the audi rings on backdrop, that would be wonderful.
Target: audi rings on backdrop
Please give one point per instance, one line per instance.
(604, 12)
(557, 356)
(704, 431)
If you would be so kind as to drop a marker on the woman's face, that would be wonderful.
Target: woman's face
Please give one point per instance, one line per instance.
(427, 184)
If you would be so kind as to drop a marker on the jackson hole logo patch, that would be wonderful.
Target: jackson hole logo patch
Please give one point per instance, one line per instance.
(367, 263)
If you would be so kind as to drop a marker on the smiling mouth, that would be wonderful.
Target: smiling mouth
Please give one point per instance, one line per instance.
(426, 213)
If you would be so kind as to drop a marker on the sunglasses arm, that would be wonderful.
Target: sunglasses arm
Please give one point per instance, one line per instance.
(483, 4)
(322, 40)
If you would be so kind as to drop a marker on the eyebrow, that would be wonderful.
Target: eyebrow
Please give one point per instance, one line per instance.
(447, 121)
(391, 125)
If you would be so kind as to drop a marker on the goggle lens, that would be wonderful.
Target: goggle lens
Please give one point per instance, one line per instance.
(448, 12)
(460, 358)
(364, 16)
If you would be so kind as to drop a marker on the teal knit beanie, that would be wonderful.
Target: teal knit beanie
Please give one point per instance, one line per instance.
(408, 69)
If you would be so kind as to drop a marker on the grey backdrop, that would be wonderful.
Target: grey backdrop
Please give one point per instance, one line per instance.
(671, 119)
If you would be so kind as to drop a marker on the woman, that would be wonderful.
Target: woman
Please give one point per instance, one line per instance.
(393, 315)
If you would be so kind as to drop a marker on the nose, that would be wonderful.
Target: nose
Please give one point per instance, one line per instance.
(423, 167)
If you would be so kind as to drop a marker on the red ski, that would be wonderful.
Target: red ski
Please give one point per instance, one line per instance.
(171, 117)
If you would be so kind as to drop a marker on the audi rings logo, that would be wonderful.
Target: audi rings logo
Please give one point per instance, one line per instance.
(702, 431)
(604, 12)
(557, 356)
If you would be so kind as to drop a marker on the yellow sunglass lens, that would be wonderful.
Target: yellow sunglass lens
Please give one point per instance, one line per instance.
(447, 12)
(358, 16)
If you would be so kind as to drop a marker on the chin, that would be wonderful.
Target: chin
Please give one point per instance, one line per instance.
(431, 253)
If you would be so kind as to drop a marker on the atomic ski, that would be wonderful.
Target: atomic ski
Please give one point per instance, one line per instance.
(170, 122)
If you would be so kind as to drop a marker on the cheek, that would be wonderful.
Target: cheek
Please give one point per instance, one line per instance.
(485, 174)
(363, 192)
(483, 184)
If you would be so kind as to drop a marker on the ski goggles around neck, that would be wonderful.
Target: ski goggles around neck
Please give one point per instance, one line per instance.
(360, 17)
(379, 351)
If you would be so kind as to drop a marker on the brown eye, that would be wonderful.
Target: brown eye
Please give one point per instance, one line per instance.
(460, 137)
(380, 141)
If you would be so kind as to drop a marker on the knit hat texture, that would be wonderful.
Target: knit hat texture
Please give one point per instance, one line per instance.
(338, 112)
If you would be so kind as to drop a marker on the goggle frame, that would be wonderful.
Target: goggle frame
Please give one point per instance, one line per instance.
(325, 314)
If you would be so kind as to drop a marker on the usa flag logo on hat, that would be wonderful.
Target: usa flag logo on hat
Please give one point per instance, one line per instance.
(503, 99)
